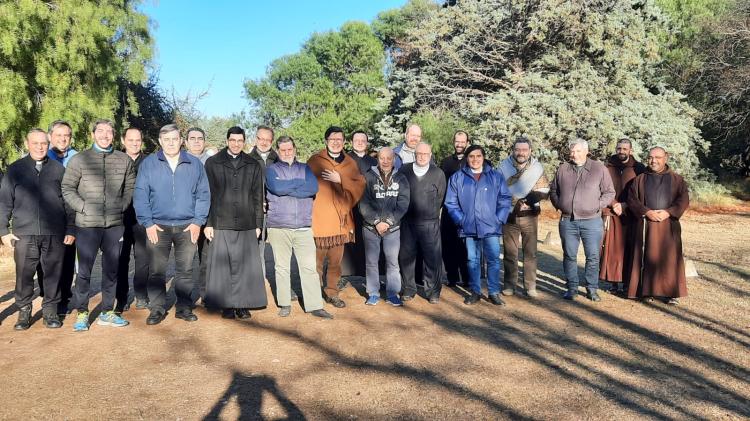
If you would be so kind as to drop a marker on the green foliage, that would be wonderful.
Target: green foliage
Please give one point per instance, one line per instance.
(550, 70)
(438, 127)
(336, 79)
(65, 59)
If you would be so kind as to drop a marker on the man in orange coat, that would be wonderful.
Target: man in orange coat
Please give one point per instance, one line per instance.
(340, 186)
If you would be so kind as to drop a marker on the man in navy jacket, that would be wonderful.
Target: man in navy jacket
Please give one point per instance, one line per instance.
(171, 201)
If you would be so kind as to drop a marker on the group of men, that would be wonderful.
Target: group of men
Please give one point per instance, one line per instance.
(59, 208)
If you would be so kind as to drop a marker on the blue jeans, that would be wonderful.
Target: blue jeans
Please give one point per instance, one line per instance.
(391, 244)
(490, 246)
(572, 232)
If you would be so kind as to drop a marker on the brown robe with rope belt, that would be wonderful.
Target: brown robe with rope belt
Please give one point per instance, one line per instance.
(658, 268)
(617, 244)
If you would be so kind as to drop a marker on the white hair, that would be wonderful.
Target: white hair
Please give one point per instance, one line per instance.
(579, 141)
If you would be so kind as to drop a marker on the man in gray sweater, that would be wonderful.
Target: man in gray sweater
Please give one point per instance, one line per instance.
(580, 189)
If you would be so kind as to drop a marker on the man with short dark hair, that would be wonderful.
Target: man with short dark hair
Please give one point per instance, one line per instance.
(291, 188)
(98, 185)
(42, 225)
(171, 201)
(454, 252)
(353, 262)
(195, 144)
(420, 228)
(617, 246)
(580, 189)
(528, 186)
(360, 152)
(340, 186)
(134, 237)
(383, 205)
(658, 198)
(60, 136)
(234, 277)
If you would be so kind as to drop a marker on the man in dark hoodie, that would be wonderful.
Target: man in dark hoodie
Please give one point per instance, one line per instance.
(420, 228)
(454, 251)
(384, 203)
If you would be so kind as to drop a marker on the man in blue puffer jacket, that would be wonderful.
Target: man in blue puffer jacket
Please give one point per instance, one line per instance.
(479, 202)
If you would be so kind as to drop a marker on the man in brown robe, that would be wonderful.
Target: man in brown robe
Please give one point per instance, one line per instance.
(617, 246)
(658, 198)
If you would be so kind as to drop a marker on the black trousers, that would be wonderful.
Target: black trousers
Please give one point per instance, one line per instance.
(184, 252)
(66, 278)
(46, 251)
(133, 238)
(421, 237)
(200, 263)
(454, 251)
(88, 242)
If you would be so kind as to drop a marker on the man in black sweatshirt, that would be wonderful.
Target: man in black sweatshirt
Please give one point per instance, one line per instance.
(420, 228)
(31, 197)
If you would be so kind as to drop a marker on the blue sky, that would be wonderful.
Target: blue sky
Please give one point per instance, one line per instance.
(217, 44)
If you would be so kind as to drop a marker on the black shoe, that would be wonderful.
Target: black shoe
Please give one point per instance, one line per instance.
(496, 300)
(336, 301)
(155, 317)
(570, 295)
(24, 318)
(242, 313)
(228, 313)
(186, 315)
(472, 299)
(593, 296)
(141, 303)
(52, 322)
(407, 297)
(322, 314)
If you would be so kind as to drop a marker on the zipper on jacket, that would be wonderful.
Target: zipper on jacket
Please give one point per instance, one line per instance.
(39, 197)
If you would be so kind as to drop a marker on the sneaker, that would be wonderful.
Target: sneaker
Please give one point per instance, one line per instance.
(673, 301)
(372, 300)
(496, 300)
(110, 318)
(395, 301)
(532, 293)
(593, 296)
(285, 311)
(570, 295)
(407, 297)
(82, 322)
(508, 292)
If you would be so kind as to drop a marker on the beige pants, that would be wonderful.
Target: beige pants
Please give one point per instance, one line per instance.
(283, 243)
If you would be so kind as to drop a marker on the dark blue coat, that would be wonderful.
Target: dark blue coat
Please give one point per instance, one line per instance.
(479, 208)
(165, 198)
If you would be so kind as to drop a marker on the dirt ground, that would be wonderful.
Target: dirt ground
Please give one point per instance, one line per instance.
(533, 359)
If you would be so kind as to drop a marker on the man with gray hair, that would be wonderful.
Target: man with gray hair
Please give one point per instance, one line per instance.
(580, 189)
(98, 185)
(171, 201)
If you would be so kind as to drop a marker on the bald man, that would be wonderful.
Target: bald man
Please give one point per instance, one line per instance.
(420, 228)
(405, 153)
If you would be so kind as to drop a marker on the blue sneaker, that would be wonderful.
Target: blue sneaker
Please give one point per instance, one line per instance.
(395, 301)
(110, 318)
(372, 300)
(82, 322)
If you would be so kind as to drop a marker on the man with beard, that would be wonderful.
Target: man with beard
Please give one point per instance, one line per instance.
(658, 198)
(134, 237)
(234, 276)
(525, 178)
(340, 186)
(405, 152)
(98, 185)
(617, 246)
(454, 252)
(171, 201)
(291, 188)
(420, 228)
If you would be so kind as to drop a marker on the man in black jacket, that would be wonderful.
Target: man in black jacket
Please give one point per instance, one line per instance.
(353, 262)
(234, 277)
(98, 185)
(384, 203)
(134, 237)
(420, 228)
(30, 196)
(264, 154)
(454, 252)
